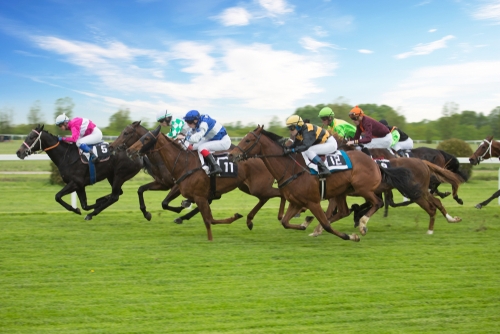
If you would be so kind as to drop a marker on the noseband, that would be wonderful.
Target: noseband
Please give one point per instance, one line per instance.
(488, 150)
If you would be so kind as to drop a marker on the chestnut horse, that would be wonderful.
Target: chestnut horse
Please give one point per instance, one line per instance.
(75, 173)
(248, 181)
(489, 148)
(194, 184)
(421, 171)
(301, 189)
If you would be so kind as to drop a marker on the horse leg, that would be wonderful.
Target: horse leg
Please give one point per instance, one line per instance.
(140, 192)
(282, 208)
(388, 196)
(68, 189)
(495, 195)
(206, 213)
(292, 210)
(376, 202)
(320, 215)
(437, 203)
(113, 197)
(173, 194)
(254, 211)
(339, 203)
(187, 216)
(428, 206)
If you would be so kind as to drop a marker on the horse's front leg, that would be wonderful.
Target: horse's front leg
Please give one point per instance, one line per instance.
(67, 189)
(495, 195)
(291, 211)
(320, 215)
(173, 194)
(140, 192)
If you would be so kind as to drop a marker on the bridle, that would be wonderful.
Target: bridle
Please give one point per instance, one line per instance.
(488, 150)
(37, 140)
(244, 155)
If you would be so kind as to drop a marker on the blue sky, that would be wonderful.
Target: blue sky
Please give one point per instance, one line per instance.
(247, 60)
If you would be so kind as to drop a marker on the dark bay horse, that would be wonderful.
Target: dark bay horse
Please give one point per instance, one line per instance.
(489, 148)
(118, 169)
(301, 189)
(194, 184)
(421, 171)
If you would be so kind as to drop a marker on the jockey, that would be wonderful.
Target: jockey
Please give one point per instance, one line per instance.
(311, 140)
(83, 132)
(207, 136)
(339, 126)
(177, 126)
(375, 134)
(400, 140)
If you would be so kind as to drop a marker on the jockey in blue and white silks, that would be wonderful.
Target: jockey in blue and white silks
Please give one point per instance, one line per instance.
(207, 136)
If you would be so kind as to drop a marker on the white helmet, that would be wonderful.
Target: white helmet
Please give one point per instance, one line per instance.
(61, 119)
(161, 115)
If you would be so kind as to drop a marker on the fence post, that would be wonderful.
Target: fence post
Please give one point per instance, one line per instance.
(73, 199)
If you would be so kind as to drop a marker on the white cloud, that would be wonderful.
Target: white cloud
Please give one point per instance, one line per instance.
(319, 31)
(251, 76)
(474, 86)
(489, 11)
(425, 49)
(432, 30)
(313, 45)
(276, 7)
(365, 51)
(235, 16)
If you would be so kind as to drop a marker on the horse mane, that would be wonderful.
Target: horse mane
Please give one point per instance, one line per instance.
(453, 165)
(274, 137)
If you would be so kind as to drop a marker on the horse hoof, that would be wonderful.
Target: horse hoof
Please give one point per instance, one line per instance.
(478, 206)
(88, 217)
(77, 211)
(237, 216)
(250, 226)
(430, 232)
(297, 215)
(313, 234)
(354, 237)
(185, 204)
(178, 220)
(459, 201)
(363, 230)
(147, 215)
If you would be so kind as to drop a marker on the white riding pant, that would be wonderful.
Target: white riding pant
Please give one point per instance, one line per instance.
(91, 139)
(404, 145)
(212, 146)
(384, 142)
(327, 147)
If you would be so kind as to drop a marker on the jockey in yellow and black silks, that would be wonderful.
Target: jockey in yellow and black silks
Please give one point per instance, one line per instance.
(310, 140)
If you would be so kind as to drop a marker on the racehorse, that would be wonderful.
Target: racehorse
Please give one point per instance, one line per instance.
(421, 171)
(118, 169)
(184, 165)
(301, 189)
(489, 148)
(253, 179)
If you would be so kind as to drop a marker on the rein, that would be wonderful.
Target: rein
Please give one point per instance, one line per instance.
(488, 150)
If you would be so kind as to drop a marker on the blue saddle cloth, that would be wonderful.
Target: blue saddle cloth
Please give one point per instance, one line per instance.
(336, 162)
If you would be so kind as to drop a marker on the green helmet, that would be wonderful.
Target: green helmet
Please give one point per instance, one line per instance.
(326, 112)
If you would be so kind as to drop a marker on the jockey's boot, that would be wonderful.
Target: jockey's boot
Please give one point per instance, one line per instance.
(214, 167)
(366, 151)
(85, 148)
(323, 171)
(401, 153)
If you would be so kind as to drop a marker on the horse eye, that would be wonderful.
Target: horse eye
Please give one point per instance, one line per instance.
(247, 141)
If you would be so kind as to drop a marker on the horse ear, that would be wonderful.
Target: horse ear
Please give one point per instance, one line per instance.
(41, 128)
(156, 131)
(136, 123)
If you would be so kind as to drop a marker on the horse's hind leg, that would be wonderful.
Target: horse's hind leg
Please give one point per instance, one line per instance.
(68, 189)
(291, 211)
(428, 206)
(113, 197)
(437, 203)
(320, 215)
(187, 216)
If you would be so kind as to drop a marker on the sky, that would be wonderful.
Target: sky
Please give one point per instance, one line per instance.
(247, 61)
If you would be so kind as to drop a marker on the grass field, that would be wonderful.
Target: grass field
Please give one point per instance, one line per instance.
(122, 274)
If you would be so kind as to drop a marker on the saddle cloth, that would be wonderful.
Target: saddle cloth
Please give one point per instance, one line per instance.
(100, 150)
(229, 169)
(384, 163)
(336, 162)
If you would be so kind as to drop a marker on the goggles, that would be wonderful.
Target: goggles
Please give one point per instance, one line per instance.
(325, 118)
(291, 127)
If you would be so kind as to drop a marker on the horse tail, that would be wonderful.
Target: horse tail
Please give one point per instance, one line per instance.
(445, 176)
(451, 163)
(147, 166)
(401, 179)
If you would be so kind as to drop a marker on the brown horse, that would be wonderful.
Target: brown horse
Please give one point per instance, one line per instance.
(301, 188)
(489, 148)
(421, 171)
(185, 167)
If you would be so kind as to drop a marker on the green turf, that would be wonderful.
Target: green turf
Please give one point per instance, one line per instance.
(119, 273)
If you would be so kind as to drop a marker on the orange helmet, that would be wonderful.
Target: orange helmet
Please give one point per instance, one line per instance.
(356, 112)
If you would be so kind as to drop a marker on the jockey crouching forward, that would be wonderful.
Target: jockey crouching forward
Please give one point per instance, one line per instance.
(375, 134)
(400, 140)
(83, 132)
(207, 136)
(310, 140)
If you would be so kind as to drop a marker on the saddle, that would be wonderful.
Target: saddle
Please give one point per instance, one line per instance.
(100, 150)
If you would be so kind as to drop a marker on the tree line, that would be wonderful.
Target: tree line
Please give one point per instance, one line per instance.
(453, 123)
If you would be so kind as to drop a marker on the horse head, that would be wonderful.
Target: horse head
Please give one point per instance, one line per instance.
(482, 152)
(247, 146)
(33, 142)
(145, 143)
(128, 137)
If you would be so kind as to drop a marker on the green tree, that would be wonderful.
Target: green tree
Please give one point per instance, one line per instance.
(448, 123)
(6, 116)
(35, 115)
(118, 121)
(64, 106)
(494, 118)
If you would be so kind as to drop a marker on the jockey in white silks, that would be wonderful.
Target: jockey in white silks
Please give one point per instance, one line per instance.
(207, 136)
